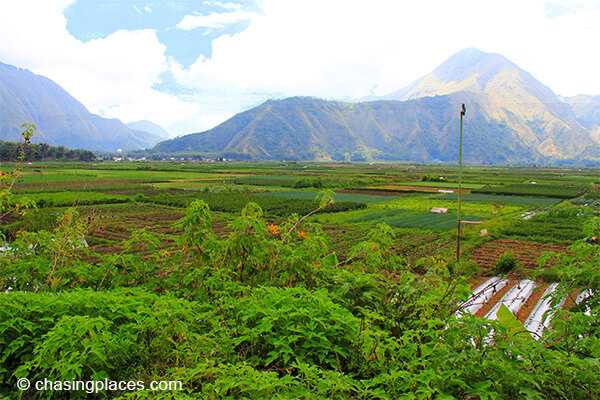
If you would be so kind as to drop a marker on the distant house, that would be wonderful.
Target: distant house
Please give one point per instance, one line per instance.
(438, 210)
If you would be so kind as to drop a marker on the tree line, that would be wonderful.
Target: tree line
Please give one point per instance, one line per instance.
(10, 151)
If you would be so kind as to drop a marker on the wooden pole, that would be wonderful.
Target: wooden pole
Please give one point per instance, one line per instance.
(462, 114)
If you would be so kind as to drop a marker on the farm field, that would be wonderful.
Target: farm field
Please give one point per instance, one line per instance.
(228, 187)
(247, 279)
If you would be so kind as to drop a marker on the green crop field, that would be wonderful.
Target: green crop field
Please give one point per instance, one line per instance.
(500, 199)
(206, 274)
(361, 198)
(442, 222)
(556, 190)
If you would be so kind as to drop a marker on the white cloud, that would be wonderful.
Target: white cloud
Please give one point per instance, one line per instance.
(347, 48)
(325, 48)
(213, 20)
(148, 10)
(111, 76)
(228, 6)
(137, 9)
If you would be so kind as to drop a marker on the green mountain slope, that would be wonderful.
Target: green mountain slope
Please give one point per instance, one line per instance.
(60, 119)
(312, 129)
(533, 111)
(511, 118)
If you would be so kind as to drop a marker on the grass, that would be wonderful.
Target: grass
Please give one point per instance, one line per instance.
(378, 216)
(557, 190)
(441, 184)
(429, 221)
(306, 195)
(498, 199)
(62, 199)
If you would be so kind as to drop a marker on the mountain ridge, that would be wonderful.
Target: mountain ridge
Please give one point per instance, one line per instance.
(60, 119)
(513, 117)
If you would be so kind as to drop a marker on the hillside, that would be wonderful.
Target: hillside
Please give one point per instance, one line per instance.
(587, 112)
(306, 128)
(150, 131)
(530, 109)
(60, 119)
(511, 118)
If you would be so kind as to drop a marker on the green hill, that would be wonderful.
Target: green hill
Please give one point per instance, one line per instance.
(60, 119)
(511, 118)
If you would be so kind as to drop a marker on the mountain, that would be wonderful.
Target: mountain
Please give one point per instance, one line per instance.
(301, 128)
(511, 118)
(154, 131)
(530, 109)
(60, 119)
(587, 112)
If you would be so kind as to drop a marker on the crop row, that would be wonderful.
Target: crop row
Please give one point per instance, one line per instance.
(338, 197)
(235, 202)
(497, 199)
(431, 221)
(380, 216)
(65, 199)
(552, 228)
(528, 189)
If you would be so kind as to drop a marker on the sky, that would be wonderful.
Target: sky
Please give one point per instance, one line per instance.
(188, 65)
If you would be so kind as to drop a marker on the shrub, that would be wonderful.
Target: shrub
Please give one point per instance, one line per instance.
(505, 263)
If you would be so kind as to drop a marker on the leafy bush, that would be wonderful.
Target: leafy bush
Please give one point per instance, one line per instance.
(268, 311)
(89, 335)
(283, 327)
(505, 263)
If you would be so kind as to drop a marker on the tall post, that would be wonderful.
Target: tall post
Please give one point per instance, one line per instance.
(462, 114)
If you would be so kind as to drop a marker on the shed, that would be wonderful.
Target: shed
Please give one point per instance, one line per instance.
(439, 210)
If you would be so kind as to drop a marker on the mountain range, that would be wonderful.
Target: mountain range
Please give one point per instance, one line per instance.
(511, 118)
(60, 119)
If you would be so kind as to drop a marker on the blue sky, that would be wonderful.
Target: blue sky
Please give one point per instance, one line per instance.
(189, 65)
(93, 19)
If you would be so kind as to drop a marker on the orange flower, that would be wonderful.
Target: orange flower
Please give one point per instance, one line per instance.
(166, 253)
(302, 234)
(316, 264)
(274, 229)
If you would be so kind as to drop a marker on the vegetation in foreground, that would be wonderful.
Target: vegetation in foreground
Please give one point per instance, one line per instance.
(270, 312)
(268, 309)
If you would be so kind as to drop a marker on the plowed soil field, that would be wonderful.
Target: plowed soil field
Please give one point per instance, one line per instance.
(524, 252)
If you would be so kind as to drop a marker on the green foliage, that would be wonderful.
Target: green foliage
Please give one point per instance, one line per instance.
(444, 222)
(72, 199)
(339, 197)
(378, 216)
(559, 225)
(502, 199)
(266, 310)
(9, 151)
(505, 263)
(559, 191)
(88, 335)
(282, 327)
(235, 202)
